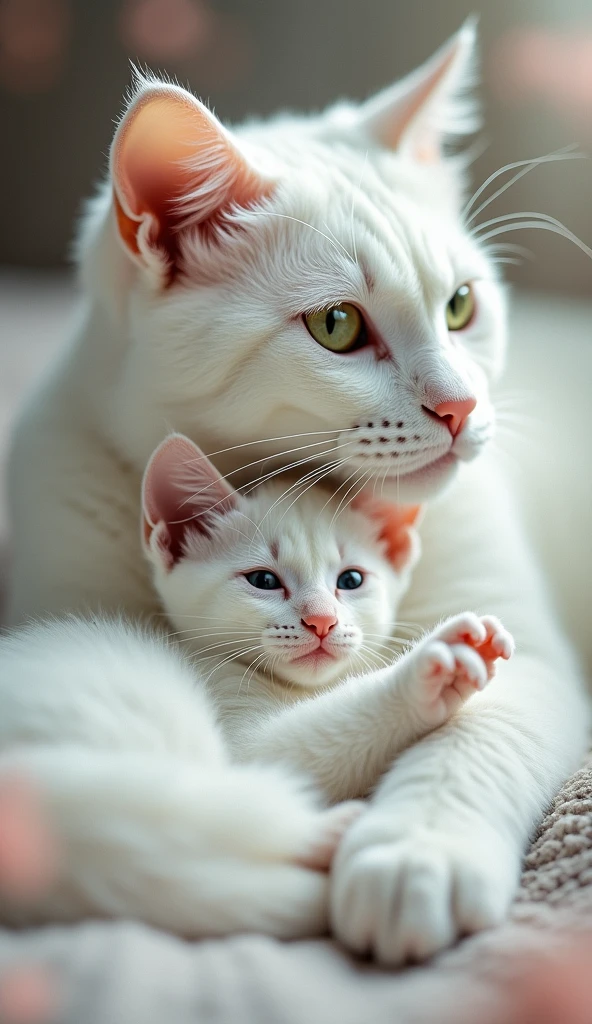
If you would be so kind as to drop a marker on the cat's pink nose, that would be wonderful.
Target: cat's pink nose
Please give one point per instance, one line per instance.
(319, 624)
(455, 414)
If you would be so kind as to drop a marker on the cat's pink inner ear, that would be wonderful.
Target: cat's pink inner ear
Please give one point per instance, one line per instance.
(417, 113)
(180, 492)
(173, 165)
(397, 525)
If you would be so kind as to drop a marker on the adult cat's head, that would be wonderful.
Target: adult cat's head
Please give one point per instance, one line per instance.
(308, 275)
(305, 590)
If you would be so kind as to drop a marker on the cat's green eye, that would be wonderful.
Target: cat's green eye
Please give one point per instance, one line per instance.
(461, 308)
(339, 328)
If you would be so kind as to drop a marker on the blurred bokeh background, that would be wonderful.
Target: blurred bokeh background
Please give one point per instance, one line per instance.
(64, 67)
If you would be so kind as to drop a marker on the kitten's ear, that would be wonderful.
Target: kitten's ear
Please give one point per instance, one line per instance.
(417, 114)
(180, 490)
(174, 166)
(397, 529)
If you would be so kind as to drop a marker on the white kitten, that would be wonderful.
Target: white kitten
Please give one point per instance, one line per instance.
(154, 819)
(296, 592)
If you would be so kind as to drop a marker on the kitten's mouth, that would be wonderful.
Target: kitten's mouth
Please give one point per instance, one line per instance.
(319, 656)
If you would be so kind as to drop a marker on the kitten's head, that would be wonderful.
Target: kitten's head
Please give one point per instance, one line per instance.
(303, 590)
(309, 275)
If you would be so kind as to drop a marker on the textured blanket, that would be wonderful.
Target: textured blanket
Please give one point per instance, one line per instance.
(124, 973)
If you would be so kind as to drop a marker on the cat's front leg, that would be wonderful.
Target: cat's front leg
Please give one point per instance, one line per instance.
(437, 854)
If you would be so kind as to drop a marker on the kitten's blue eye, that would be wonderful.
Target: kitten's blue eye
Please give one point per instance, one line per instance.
(262, 579)
(351, 579)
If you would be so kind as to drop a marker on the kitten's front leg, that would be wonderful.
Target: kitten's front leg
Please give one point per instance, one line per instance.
(444, 669)
(347, 737)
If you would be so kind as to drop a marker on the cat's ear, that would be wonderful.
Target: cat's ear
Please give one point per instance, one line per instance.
(397, 529)
(418, 114)
(174, 166)
(180, 492)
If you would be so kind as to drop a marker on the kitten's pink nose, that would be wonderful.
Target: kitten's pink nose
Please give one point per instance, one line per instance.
(319, 624)
(455, 414)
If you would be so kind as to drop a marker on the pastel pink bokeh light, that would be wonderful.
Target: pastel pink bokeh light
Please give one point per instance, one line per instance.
(530, 64)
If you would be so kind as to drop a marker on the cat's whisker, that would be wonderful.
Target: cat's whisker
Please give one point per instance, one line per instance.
(285, 216)
(328, 472)
(566, 153)
(336, 240)
(343, 500)
(270, 440)
(252, 485)
(316, 474)
(247, 488)
(360, 485)
(353, 204)
(539, 221)
(265, 458)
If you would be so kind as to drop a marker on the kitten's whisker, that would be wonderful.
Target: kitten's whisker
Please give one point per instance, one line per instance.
(218, 646)
(250, 668)
(208, 618)
(196, 634)
(233, 657)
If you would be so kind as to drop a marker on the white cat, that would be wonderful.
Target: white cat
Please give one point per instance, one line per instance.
(311, 285)
(154, 819)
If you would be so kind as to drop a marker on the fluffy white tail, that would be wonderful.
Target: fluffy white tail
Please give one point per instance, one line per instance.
(153, 820)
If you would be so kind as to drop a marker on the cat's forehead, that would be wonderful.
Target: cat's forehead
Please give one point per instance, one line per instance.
(362, 221)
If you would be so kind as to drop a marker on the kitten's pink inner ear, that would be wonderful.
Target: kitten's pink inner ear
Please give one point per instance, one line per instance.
(173, 164)
(396, 524)
(180, 491)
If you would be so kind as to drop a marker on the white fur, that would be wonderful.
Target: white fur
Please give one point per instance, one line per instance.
(223, 356)
(340, 705)
(153, 820)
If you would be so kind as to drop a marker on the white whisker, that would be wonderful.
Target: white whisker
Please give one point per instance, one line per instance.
(285, 216)
(566, 153)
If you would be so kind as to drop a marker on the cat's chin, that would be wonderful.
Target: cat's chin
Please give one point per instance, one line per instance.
(421, 484)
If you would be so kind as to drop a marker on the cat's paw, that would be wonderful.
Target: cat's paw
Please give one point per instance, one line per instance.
(404, 899)
(333, 824)
(454, 661)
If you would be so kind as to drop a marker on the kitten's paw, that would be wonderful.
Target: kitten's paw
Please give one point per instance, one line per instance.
(454, 661)
(333, 825)
(407, 898)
